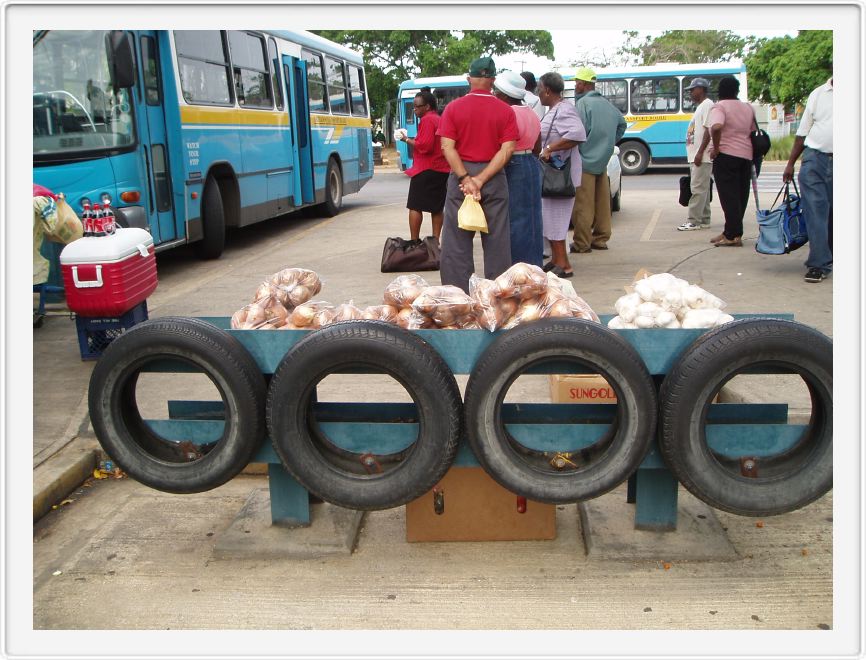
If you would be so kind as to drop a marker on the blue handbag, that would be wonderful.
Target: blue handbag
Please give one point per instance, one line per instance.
(782, 229)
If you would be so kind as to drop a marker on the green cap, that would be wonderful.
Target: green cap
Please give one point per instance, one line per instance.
(585, 74)
(483, 67)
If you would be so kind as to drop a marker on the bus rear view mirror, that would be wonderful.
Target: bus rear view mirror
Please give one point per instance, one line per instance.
(121, 59)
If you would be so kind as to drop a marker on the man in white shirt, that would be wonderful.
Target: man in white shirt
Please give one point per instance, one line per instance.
(815, 141)
(697, 139)
(531, 99)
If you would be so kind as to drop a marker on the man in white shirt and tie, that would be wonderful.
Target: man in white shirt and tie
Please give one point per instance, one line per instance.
(815, 141)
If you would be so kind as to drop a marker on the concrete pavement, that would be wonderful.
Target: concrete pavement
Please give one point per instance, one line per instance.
(135, 545)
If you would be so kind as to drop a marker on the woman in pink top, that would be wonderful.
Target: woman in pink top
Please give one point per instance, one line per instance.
(429, 169)
(731, 152)
(523, 173)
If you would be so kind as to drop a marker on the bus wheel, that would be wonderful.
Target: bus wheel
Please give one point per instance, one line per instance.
(213, 222)
(333, 190)
(633, 157)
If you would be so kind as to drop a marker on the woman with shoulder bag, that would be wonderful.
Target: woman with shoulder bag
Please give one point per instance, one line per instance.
(561, 133)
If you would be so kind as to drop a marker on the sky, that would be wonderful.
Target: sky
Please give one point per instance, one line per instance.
(575, 44)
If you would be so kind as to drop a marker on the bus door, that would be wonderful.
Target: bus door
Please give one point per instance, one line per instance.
(295, 72)
(157, 199)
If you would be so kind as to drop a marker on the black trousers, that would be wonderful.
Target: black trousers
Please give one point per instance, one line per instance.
(733, 177)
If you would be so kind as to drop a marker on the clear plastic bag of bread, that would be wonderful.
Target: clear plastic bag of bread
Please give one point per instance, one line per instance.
(491, 311)
(445, 305)
(312, 315)
(265, 314)
(292, 286)
(413, 320)
(387, 313)
(345, 312)
(403, 290)
(561, 300)
(523, 281)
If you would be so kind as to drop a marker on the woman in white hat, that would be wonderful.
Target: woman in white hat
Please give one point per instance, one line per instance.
(523, 173)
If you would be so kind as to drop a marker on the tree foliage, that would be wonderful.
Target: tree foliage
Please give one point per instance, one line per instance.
(392, 56)
(785, 69)
(684, 46)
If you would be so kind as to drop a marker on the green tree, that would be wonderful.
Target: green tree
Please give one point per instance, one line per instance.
(684, 46)
(785, 69)
(392, 56)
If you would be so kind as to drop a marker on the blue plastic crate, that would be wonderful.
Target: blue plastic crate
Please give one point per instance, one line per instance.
(96, 333)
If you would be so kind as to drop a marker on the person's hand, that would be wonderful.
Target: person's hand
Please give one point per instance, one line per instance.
(788, 174)
(471, 186)
(545, 154)
(699, 158)
(713, 153)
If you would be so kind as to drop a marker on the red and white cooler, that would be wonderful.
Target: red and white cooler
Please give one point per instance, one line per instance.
(109, 275)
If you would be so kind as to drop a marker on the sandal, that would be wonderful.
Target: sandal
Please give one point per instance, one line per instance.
(561, 272)
(548, 266)
(732, 242)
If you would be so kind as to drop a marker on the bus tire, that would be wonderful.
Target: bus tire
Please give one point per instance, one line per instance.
(633, 158)
(169, 465)
(783, 482)
(601, 466)
(333, 189)
(212, 221)
(330, 474)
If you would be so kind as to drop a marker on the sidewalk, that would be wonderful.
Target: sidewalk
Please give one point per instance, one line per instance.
(158, 546)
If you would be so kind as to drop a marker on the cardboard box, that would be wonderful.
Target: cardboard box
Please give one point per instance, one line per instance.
(476, 508)
(580, 388)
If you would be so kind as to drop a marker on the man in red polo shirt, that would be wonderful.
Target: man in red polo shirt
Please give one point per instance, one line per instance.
(478, 134)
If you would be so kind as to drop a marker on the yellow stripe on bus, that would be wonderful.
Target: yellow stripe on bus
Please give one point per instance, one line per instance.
(331, 120)
(199, 115)
(642, 122)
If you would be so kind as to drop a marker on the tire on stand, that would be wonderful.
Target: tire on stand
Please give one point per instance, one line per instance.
(333, 190)
(172, 465)
(354, 480)
(633, 158)
(781, 482)
(590, 471)
(213, 222)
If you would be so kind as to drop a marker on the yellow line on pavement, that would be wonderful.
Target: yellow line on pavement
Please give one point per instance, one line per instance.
(650, 228)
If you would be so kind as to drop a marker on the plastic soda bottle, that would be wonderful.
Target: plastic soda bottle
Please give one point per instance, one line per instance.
(97, 221)
(109, 223)
(87, 220)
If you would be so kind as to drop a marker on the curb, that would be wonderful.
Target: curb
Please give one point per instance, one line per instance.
(63, 473)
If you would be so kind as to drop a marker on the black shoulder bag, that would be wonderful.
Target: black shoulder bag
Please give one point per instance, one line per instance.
(556, 181)
(760, 144)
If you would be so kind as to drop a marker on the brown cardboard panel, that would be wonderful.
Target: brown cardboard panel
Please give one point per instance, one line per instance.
(580, 388)
(476, 508)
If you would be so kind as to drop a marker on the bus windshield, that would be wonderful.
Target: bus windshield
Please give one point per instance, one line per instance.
(76, 113)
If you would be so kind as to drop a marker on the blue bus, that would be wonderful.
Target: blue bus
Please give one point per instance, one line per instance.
(657, 107)
(186, 133)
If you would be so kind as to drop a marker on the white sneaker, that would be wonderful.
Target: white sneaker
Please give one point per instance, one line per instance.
(689, 226)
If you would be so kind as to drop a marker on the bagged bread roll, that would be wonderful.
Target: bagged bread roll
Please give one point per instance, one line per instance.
(312, 315)
(255, 316)
(413, 320)
(403, 290)
(346, 312)
(522, 281)
(444, 305)
(387, 313)
(491, 312)
(294, 286)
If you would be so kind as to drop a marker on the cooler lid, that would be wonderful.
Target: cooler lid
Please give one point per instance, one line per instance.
(124, 242)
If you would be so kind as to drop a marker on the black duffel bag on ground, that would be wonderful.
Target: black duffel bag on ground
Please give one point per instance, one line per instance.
(402, 256)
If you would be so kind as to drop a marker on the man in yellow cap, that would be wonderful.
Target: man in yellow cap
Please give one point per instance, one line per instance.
(604, 126)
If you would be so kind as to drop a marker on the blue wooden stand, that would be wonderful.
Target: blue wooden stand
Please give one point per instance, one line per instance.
(757, 429)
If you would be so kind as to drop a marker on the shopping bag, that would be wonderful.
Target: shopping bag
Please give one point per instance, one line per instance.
(470, 216)
(59, 222)
(685, 190)
(402, 256)
(782, 229)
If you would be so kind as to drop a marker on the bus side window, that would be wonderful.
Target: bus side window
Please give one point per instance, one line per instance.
(713, 92)
(203, 65)
(315, 81)
(336, 86)
(358, 91)
(409, 112)
(275, 73)
(615, 91)
(250, 69)
(652, 95)
(152, 93)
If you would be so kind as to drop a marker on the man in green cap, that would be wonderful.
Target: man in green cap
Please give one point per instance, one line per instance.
(478, 134)
(604, 126)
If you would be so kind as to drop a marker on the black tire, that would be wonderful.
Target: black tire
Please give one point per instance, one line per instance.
(633, 158)
(333, 190)
(335, 475)
(169, 465)
(784, 482)
(212, 221)
(605, 464)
